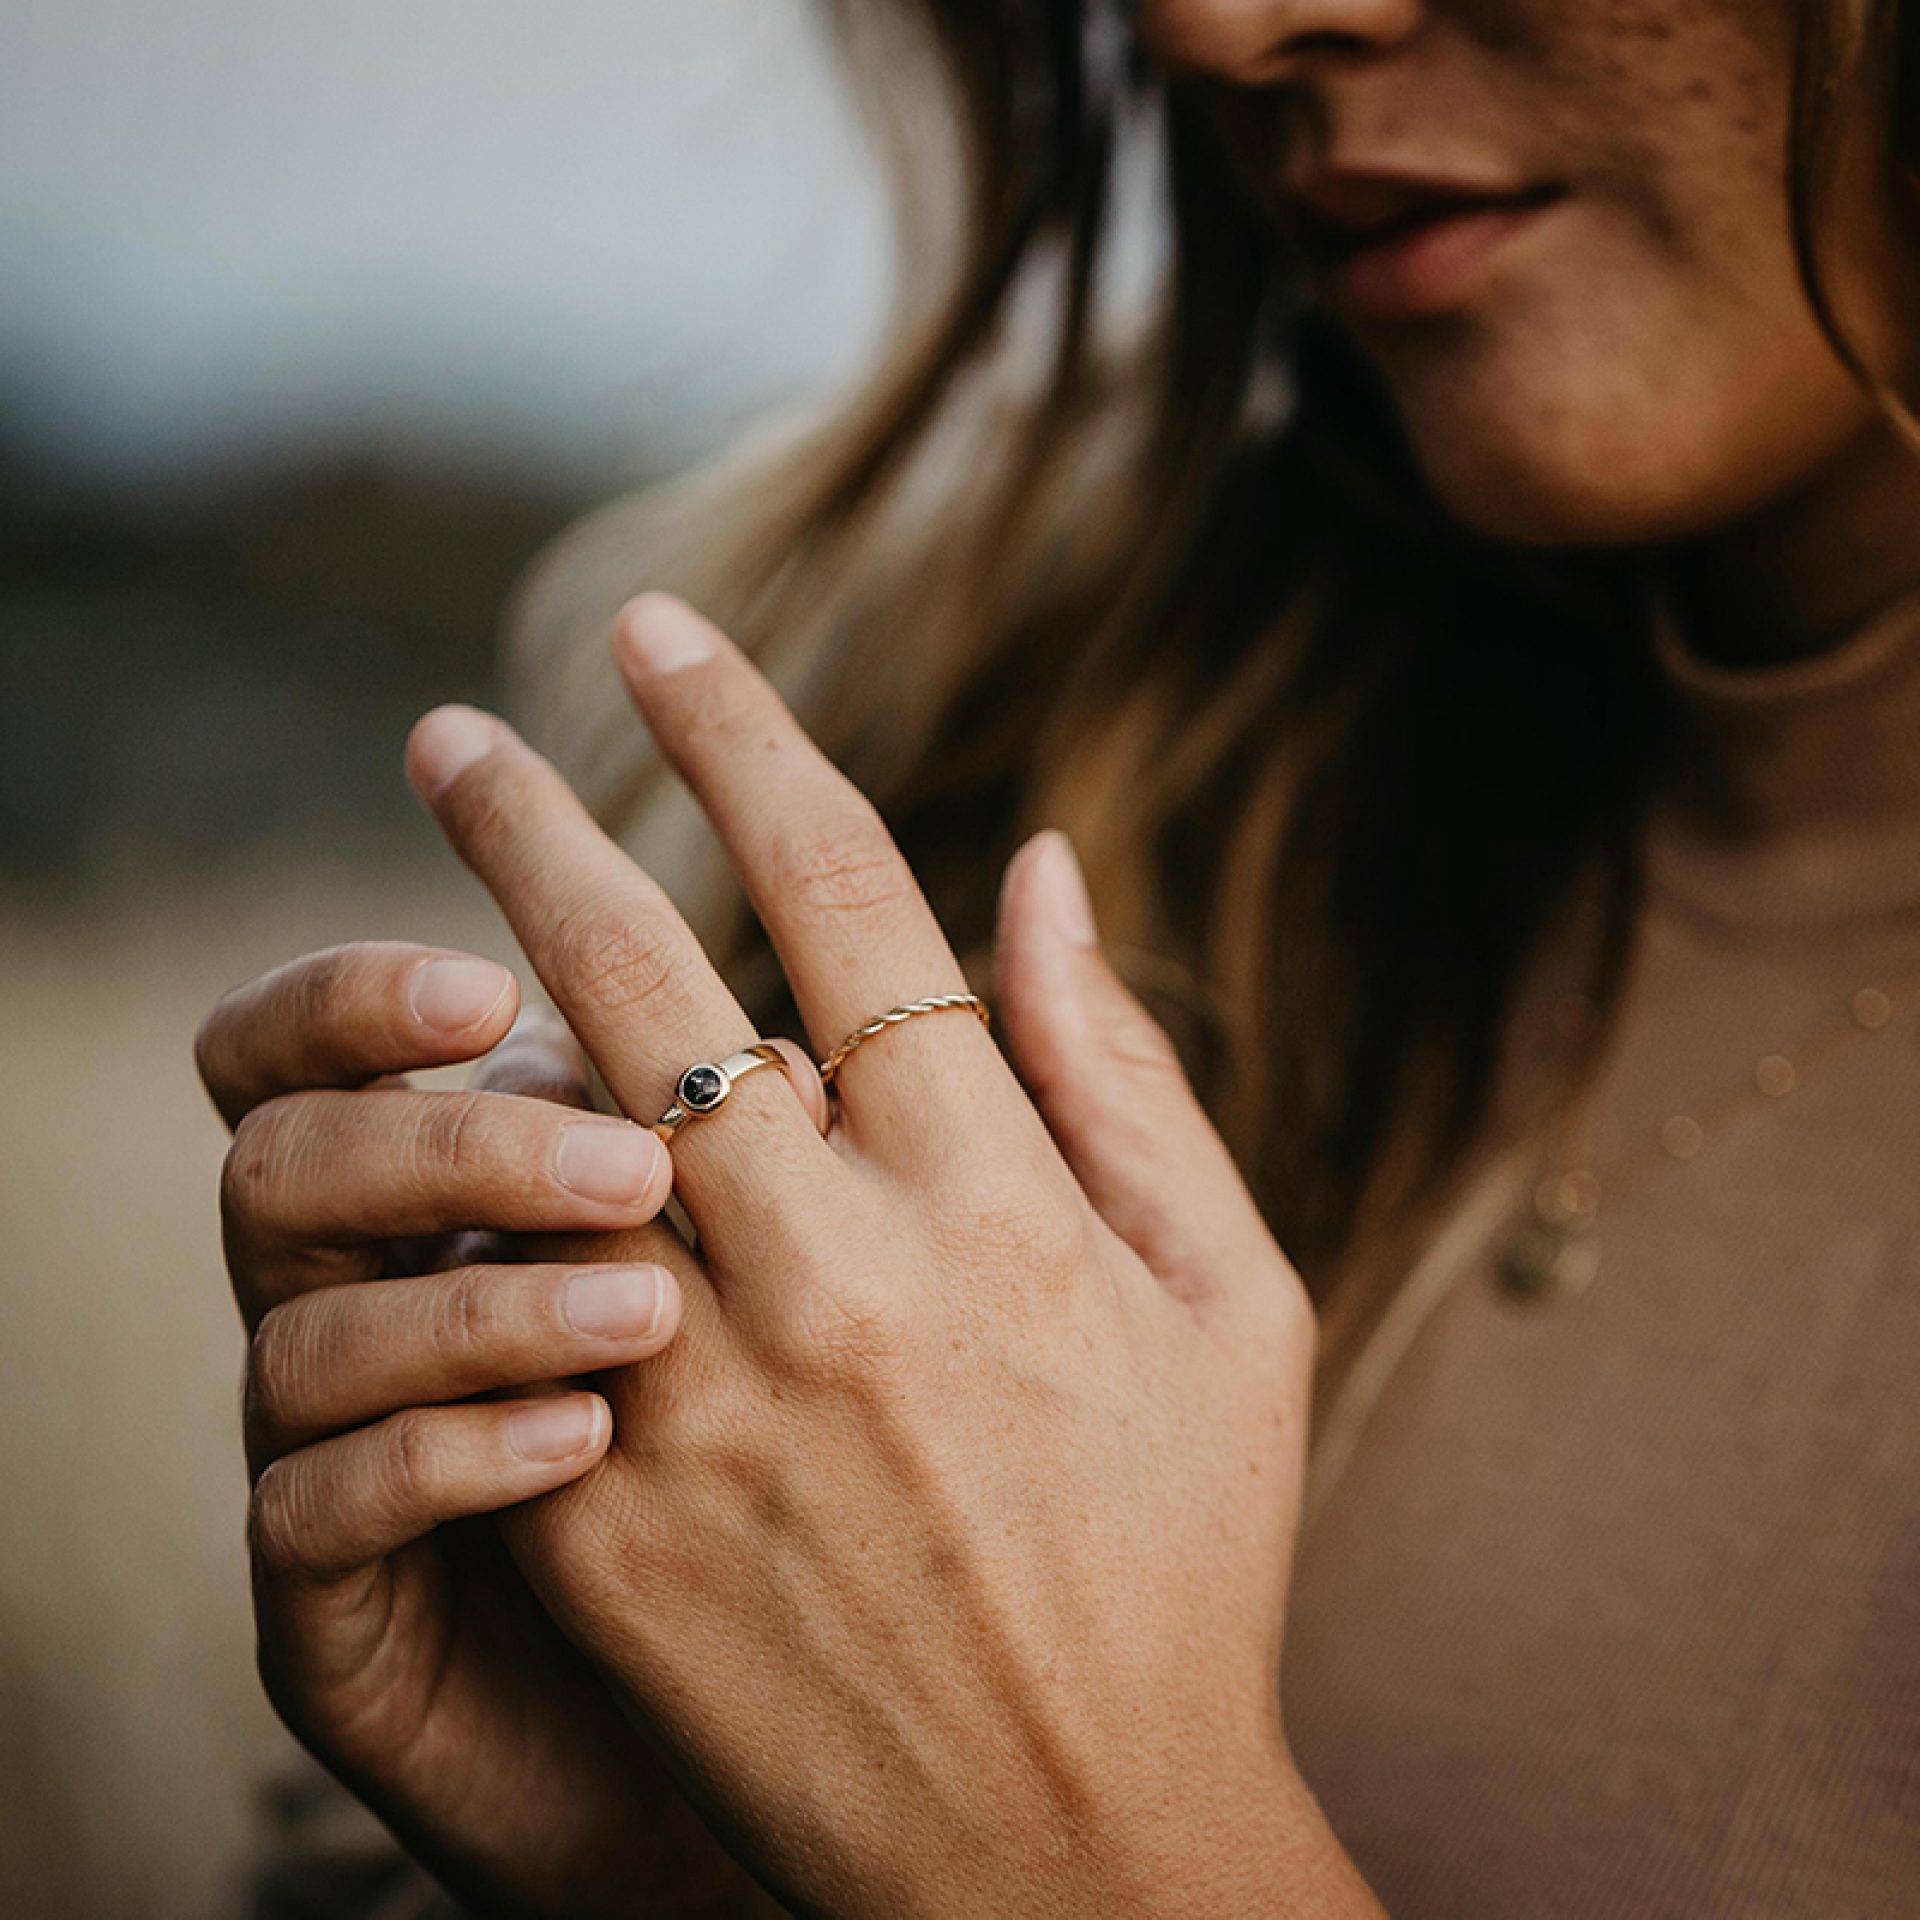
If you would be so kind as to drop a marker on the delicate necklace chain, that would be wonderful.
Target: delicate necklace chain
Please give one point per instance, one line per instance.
(1555, 1248)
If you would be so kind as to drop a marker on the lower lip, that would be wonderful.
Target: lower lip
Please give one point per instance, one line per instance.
(1432, 269)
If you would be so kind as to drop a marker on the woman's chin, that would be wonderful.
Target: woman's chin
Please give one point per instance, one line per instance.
(1572, 518)
(1620, 462)
(1536, 497)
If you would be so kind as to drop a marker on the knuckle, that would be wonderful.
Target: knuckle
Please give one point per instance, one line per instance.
(410, 1462)
(277, 1523)
(1036, 1238)
(759, 1478)
(456, 1139)
(491, 802)
(257, 1157)
(620, 965)
(279, 1367)
(844, 864)
(472, 1319)
(298, 1017)
(713, 1443)
(328, 989)
(844, 1334)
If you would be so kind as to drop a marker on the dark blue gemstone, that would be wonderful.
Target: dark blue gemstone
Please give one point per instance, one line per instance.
(702, 1088)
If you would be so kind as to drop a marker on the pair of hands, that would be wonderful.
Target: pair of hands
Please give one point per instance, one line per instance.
(928, 1529)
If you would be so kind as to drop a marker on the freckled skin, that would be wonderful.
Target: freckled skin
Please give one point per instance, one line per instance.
(1642, 366)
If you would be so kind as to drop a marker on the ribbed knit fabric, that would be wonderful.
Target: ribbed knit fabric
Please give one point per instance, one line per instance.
(1608, 1604)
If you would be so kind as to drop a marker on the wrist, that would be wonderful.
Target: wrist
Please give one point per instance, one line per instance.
(1262, 1847)
(1249, 1840)
(1312, 1875)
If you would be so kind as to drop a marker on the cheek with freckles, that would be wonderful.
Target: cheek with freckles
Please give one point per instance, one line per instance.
(1644, 365)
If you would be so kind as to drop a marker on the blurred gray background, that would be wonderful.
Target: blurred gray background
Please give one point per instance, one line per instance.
(313, 325)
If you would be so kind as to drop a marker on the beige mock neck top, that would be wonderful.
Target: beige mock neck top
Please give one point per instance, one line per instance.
(1607, 1602)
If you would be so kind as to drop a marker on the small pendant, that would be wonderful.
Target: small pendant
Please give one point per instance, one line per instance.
(1544, 1257)
(1554, 1250)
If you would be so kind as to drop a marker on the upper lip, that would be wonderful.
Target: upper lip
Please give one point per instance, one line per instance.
(1346, 207)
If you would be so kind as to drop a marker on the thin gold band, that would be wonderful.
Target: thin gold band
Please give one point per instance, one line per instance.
(935, 1003)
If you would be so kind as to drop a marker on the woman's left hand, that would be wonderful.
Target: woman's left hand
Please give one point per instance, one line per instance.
(946, 1550)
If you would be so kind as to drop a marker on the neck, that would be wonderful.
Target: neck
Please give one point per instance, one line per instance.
(1813, 566)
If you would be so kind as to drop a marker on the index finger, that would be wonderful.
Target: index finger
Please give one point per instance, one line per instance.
(348, 1015)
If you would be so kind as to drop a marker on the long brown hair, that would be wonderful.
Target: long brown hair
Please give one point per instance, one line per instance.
(1332, 765)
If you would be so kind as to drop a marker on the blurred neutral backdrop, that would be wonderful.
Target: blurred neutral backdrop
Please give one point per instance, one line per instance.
(313, 325)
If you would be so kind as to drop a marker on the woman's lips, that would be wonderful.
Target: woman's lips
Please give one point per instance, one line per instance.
(1430, 259)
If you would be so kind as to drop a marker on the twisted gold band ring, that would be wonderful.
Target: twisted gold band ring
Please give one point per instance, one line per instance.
(894, 1016)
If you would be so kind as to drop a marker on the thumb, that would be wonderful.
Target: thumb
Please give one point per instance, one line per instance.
(1113, 1093)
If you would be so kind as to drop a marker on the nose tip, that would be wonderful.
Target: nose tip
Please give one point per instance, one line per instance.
(1255, 42)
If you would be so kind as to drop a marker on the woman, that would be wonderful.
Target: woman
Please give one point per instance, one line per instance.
(1474, 642)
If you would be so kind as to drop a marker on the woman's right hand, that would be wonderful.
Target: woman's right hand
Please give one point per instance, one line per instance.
(388, 1406)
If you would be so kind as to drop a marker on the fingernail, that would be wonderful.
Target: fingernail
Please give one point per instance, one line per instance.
(612, 1161)
(554, 1429)
(1064, 887)
(447, 742)
(615, 1303)
(456, 995)
(661, 634)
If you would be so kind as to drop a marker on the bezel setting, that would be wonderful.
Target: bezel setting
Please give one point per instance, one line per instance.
(703, 1087)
